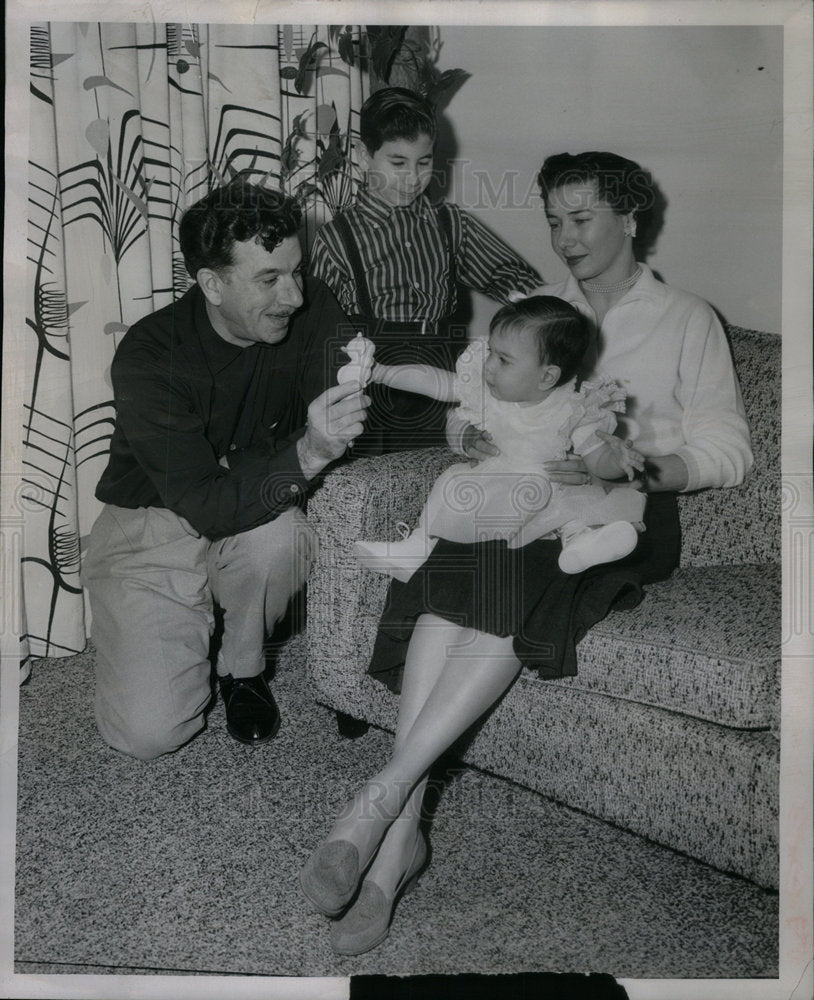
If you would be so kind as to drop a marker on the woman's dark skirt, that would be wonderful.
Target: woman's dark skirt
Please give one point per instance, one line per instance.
(523, 593)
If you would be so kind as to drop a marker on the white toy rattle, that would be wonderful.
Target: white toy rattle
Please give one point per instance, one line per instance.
(360, 367)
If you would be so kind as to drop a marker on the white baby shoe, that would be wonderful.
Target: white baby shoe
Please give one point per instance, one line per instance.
(592, 546)
(399, 559)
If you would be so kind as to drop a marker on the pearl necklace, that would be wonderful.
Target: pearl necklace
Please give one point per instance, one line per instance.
(616, 286)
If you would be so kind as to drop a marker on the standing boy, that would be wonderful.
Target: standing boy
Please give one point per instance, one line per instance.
(393, 261)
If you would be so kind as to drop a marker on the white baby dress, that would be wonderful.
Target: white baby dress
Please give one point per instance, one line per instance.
(497, 497)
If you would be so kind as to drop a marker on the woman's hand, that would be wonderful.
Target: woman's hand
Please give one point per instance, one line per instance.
(569, 471)
(630, 461)
(666, 473)
(653, 474)
(477, 444)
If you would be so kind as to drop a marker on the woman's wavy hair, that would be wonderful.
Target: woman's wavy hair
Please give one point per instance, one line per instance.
(231, 214)
(562, 332)
(621, 183)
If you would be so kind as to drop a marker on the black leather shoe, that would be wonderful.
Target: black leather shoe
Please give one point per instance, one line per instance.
(252, 715)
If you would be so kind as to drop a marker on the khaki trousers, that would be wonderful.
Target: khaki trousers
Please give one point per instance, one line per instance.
(152, 580)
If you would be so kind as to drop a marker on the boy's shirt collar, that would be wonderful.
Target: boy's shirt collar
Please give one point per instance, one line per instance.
(379, 212)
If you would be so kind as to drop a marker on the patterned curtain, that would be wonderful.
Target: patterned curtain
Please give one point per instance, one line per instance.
(129, 124)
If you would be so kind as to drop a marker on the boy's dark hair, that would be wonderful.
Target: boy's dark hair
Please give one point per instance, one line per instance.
(233, 214)
(621, 183)
(395, 113)
(562, 331)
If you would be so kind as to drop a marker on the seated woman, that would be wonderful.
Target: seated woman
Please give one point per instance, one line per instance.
(454, 638)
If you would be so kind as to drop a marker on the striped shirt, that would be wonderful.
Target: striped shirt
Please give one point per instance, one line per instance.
(405, 258)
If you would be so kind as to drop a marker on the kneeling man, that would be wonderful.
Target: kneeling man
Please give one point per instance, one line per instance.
(223, 421)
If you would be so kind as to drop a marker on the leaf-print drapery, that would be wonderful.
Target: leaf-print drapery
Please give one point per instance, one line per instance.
(129, 124)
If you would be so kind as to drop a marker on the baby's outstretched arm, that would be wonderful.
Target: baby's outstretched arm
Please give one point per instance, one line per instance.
(426, 380)
(614, 458)
(423, 379)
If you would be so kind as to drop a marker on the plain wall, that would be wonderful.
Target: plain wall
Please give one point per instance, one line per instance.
(700, 107)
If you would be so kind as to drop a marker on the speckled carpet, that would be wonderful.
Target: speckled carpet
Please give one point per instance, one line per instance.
(189, 864)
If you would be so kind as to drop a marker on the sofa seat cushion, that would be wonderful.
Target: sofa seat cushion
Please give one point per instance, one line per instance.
(705, 643)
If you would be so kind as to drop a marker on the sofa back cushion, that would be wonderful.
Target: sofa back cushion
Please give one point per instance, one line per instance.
(742, 524)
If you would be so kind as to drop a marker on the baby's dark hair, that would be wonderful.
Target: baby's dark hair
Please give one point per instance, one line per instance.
(395, 113)
(233, 214)
(562, 331)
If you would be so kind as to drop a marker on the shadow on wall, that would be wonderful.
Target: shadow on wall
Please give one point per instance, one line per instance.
(650, 223)
(446, 153)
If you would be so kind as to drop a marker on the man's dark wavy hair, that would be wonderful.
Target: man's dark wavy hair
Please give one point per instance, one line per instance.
(621, 183)
(231, 214)
(562, 333)
(395, 113)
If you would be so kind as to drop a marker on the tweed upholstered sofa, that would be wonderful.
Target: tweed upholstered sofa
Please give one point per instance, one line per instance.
(671, 727)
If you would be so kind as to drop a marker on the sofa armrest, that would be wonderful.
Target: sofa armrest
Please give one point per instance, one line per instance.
(735, 526)
(361, 499)
(367, 497)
